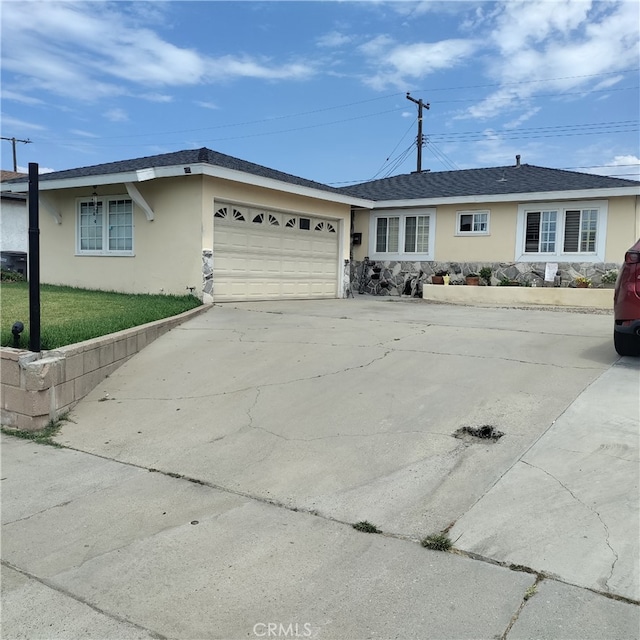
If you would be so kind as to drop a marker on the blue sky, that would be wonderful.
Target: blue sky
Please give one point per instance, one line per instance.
(318, 89)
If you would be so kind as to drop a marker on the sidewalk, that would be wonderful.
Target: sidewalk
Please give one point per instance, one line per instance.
(97, 549)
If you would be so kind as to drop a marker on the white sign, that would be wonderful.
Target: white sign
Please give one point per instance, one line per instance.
(550, 271)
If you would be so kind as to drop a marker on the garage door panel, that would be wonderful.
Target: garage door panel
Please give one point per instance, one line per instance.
(264, 261)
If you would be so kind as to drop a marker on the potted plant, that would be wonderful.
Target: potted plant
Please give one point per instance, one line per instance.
(609, 278)
(582, 282)
(438, 277)
(472, 279)
(508, 282)
(485, 274)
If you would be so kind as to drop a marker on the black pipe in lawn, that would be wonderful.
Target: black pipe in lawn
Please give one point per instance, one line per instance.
(34, 259)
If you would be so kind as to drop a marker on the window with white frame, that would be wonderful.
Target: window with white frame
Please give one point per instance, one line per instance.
(557, 230)
(472, 223)
(401, 236)
(105, 227)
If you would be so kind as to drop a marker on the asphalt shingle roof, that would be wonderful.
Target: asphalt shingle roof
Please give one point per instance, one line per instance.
(189, 156)
(524, 178)
(477, 182)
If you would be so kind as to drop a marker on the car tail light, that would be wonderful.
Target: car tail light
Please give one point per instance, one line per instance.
(632, 257)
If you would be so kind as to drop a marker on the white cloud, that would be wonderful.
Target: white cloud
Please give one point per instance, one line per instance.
(397, 64)
(83, 134)
(625, 164)
(247, 67)
(494, 150)
(333, 39)
(206, 105)
(608, 82)
(376, 46)
(557, 46)
(524, 23)
(156, 97)
(92, 50)
(624, 160)
(17, 96)
(116, 115)
(9, 121)
(414, 9)
(22, 169)
(514, 124)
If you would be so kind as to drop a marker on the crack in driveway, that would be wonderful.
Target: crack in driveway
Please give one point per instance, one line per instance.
(317, 376)
(36, 513)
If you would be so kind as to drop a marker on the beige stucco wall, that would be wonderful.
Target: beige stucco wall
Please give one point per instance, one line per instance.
(498, 246)
(623, 228)
(361, 225)
(167, 250)
(216, 191)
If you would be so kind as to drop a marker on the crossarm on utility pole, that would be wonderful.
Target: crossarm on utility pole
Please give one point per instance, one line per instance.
(13, 144)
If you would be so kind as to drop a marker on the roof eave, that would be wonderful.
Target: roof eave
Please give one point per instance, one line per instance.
(289, 187)
(577, 194)
(188, 169)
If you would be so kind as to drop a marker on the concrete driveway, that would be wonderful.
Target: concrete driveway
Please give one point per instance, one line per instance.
(274, 426)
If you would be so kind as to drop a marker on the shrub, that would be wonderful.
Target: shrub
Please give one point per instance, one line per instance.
(11, 276)
(583, 281)
(485, 274)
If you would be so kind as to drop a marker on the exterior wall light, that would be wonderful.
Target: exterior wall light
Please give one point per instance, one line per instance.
(17, 329)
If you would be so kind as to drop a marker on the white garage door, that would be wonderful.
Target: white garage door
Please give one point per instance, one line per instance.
(266, 255)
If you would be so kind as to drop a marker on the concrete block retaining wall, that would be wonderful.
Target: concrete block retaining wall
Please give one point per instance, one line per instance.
(39, 387)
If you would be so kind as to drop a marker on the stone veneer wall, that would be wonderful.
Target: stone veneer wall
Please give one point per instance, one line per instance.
(39, 387)
(347, 279)
(207, 275)
(397, 278)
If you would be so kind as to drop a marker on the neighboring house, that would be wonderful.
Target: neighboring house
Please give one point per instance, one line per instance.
(228, 230)
(13, 226)
(513, 219)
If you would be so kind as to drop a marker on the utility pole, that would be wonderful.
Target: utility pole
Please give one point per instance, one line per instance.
(13, 144)
(420, 139)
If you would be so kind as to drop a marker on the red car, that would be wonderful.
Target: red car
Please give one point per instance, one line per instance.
(626, 305)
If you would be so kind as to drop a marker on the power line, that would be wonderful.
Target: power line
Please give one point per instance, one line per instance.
(604, 166)
(400, 160)
(377, 173)
(441, 155)
(625, 126)
(360, 102)
(546, 95)
(248, 135)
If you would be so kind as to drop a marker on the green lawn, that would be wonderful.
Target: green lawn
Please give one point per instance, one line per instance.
(69, 315)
